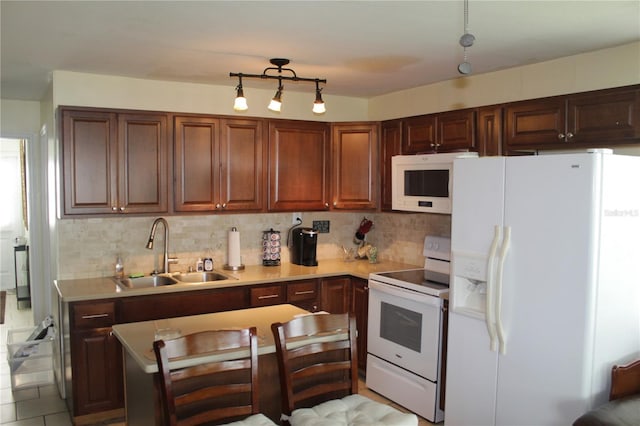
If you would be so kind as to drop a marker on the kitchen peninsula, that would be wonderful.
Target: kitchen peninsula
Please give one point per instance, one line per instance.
(89, 356)
(140, 366)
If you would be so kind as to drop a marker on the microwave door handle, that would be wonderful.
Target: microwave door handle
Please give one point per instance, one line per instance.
(498, 288)
(489, 309)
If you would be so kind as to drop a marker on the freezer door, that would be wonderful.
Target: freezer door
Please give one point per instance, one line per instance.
(478, 205)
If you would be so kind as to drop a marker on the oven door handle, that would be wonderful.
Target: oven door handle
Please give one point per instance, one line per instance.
(405, 294)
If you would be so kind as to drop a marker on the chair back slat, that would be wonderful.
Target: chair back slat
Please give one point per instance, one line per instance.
(625, 380)
(215, 391)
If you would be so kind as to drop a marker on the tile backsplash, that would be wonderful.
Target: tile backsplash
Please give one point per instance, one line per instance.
(89, 247)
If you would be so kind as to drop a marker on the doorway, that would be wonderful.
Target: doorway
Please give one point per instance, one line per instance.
(14, 224)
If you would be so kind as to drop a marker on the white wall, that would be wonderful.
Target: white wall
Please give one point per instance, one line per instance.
(614, 67)
(79, 89)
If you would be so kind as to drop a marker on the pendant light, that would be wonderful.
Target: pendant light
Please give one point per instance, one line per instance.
(466, 40)
(240, 103)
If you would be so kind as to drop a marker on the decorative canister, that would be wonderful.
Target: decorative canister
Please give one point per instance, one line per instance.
(271, 248)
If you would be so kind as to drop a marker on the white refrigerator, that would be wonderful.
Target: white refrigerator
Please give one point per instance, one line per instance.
(545, 291)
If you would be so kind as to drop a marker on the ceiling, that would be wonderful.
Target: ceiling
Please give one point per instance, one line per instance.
(363, 48)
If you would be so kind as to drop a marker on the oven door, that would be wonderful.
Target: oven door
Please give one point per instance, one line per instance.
(404, 328)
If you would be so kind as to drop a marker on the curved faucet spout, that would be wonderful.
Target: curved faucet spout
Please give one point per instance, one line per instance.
(166, 260)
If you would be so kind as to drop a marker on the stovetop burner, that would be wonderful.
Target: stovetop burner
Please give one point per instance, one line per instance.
(421, 280)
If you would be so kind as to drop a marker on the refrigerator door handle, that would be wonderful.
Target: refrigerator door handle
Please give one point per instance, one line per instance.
(489, 308)
(498, 288)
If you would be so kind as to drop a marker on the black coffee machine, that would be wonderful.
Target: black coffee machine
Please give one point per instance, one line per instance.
(303, 245)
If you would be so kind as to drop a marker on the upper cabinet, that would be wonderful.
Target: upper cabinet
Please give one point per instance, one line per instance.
(489, 130)
(219, 164)
(390, 145)
(443, 132)
(298, 166)
(114, 162)
(354, 166)
(593, 119)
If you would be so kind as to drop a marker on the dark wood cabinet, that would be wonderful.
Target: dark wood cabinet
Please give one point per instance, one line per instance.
(442, 132)
(298, 166)
(354, 166)
(304, 294)
(219, 164)
(335, 295)
(489, 130)
(390, 145)
(593, 119)
(360, 308)
(267, 295)
(97, 380)
(114, 162)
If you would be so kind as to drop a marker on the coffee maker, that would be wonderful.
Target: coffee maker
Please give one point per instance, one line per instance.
(304, 242)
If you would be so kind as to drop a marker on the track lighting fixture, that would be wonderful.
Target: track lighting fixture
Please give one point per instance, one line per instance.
(240, 103)
(466, 40)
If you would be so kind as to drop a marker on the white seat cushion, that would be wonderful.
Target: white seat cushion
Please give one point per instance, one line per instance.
(255, 420)
(352, 410)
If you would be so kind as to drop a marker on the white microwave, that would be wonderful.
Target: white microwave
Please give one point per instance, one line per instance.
(423, 183)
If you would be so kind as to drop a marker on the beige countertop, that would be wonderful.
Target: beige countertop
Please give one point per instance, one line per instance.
(105, 287)
(137, 337)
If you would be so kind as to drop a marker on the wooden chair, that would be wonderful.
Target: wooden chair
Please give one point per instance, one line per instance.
(222, 388)
(317, 361)
(625, 380)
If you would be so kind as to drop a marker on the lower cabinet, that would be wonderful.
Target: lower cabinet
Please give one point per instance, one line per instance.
(97, 386)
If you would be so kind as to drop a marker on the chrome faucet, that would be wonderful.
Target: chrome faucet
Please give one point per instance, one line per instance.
(166, 260)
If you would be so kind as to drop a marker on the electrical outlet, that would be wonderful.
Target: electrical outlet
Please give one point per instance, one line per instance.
(322, 226)
(296, 219)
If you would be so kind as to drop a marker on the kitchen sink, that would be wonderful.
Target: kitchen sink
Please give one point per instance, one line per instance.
(200, 277)
(148, 281)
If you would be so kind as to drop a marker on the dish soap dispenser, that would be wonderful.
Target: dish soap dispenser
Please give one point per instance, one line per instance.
(119, 268)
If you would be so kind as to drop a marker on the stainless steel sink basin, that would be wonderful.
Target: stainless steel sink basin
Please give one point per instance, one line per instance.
(200, 277)
(147, 281)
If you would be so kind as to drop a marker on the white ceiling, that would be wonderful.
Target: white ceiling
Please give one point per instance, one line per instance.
(363, 48)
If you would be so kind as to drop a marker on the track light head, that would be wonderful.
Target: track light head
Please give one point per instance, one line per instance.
(276, 102)
(240, 103)
(318, 104)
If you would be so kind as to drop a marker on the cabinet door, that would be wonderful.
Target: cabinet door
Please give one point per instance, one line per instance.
(97, 371)
(335, 295)
(242, 165)
(354, 163)
(456, 131)
(298, 166)
(535, 124)
(419, 134)
(613, 117)
(390, 145)
(360, 308)
(196, 163)
(90, 168)
(489, 127)
(143, 161)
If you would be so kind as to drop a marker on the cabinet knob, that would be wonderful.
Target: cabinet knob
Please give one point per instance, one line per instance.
(218, 206)
(326, 205)
(114, 208)
(121, 209)
(224, 205)
(561, 136)
(335, 203)
(569, 135)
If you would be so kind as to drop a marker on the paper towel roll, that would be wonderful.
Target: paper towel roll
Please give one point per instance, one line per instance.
(233, 248)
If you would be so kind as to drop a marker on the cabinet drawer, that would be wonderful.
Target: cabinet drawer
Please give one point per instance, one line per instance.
(94, 315)
(306, 290)
(271, 295)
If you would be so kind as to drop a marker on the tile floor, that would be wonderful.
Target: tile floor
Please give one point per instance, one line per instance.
(42, 405)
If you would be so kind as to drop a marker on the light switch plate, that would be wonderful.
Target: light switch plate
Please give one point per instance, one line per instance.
(322, 226)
